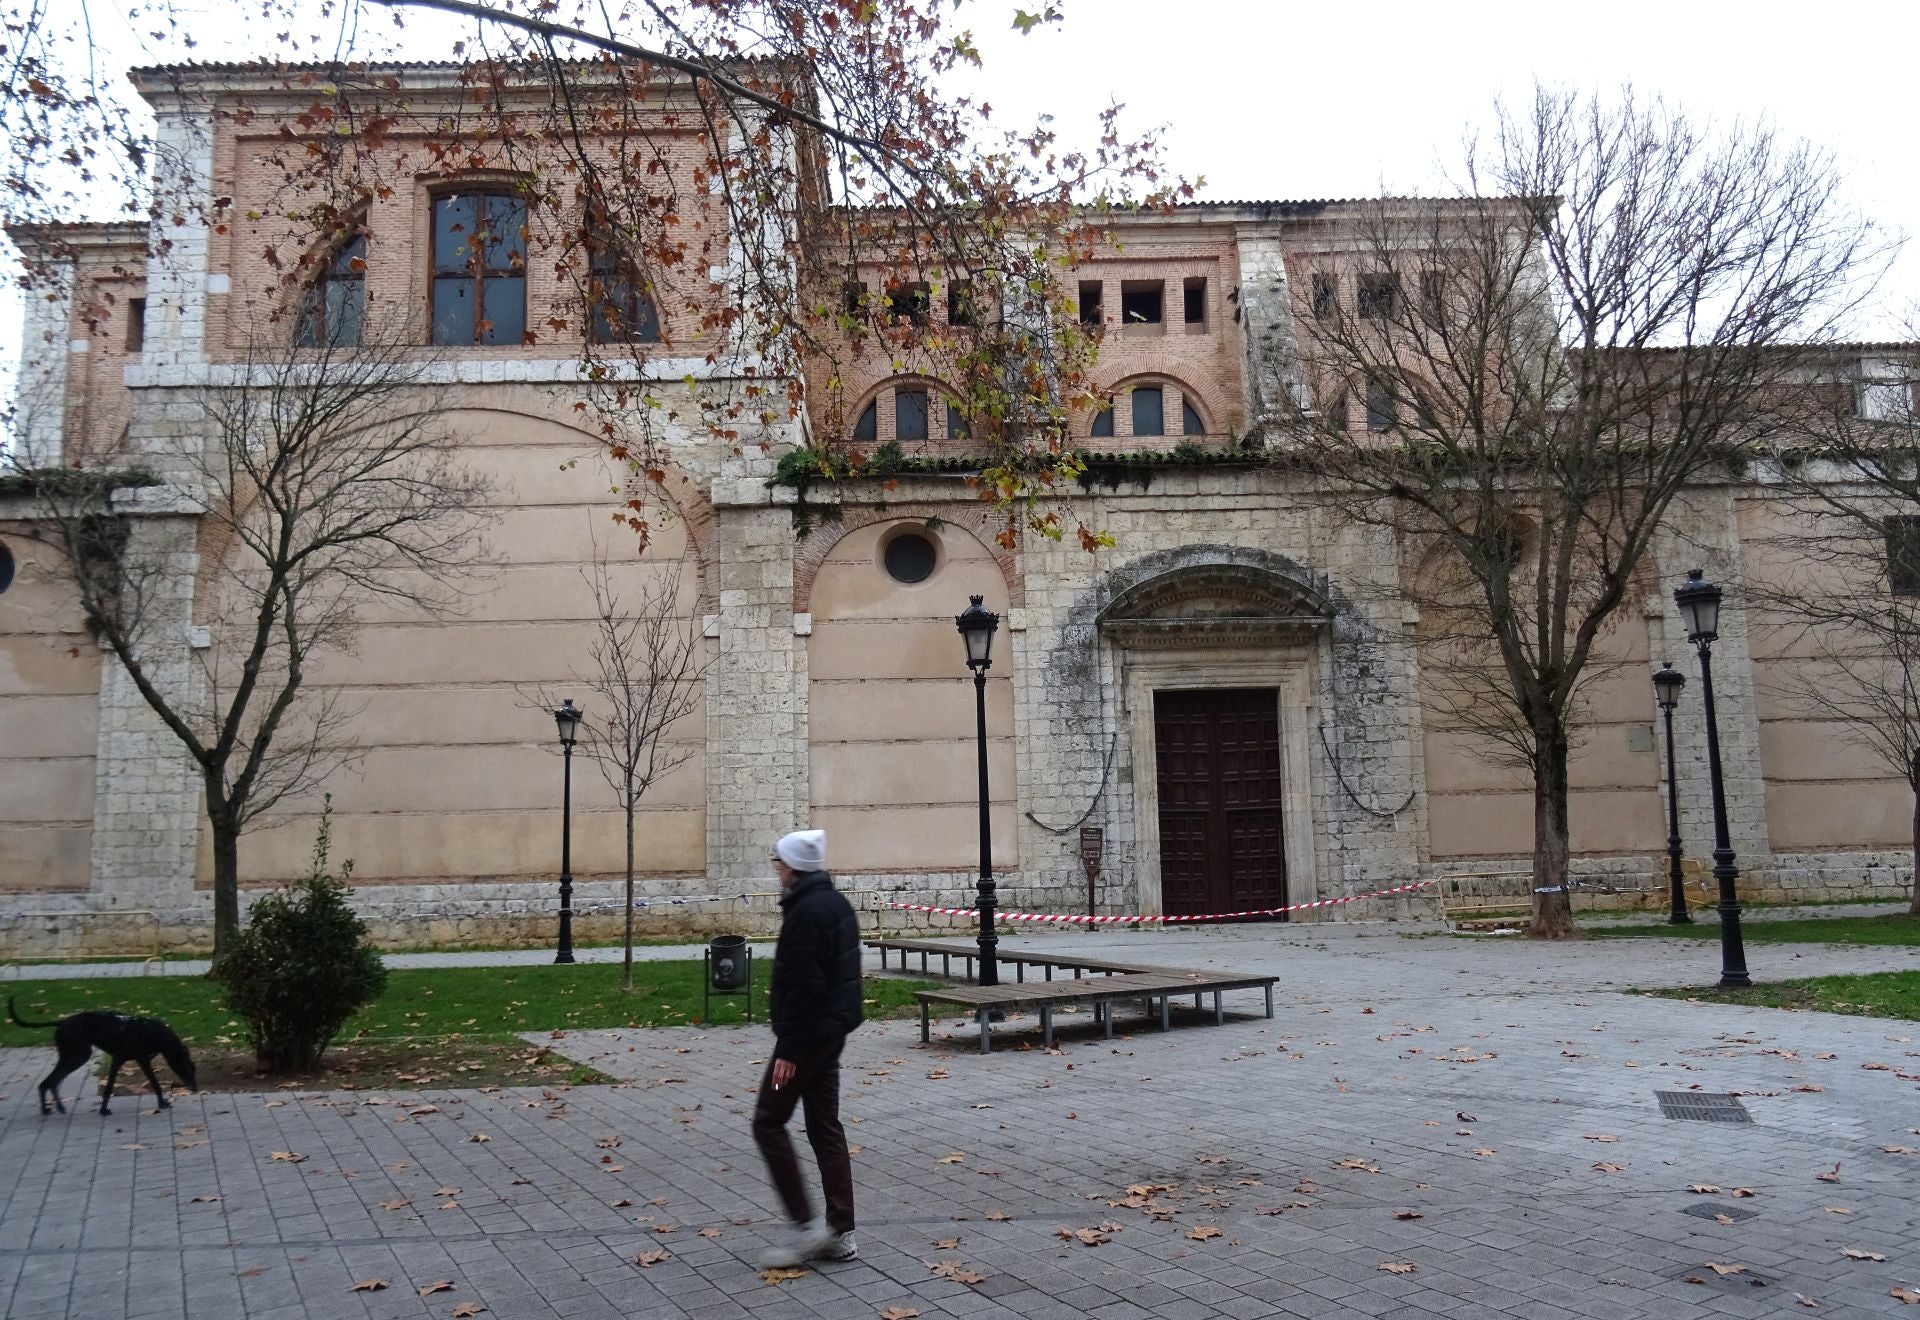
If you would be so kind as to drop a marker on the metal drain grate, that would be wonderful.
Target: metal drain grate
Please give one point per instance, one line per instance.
(1703, 1107)
(1713, 1209)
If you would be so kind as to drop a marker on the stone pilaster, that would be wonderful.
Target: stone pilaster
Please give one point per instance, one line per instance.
(1266, 322)
(45, 349)
(147, 797)
(756, 686)
(1701, 532)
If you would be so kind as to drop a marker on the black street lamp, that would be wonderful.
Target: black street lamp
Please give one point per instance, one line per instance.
(567, 717)
(977, 625)
(1667, 682)
(1699, 602)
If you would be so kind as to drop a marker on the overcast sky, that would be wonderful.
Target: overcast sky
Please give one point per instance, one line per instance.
(1266, 99)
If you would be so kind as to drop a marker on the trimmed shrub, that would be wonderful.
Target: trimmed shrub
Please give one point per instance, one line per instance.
(302, 966)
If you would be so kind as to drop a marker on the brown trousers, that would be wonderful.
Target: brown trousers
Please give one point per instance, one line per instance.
(816, 1089)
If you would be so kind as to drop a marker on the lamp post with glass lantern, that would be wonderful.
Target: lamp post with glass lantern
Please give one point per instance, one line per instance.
(567, 717)
(977, 625)
(1667, 682)
(1699, 602)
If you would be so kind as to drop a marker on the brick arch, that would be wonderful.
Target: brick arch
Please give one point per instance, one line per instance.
(1211, 413)
(689, 501)
(974, 519)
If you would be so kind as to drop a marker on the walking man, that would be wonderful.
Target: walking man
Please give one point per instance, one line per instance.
(815, 1003)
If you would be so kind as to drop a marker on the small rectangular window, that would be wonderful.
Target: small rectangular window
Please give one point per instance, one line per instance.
(960, 304)
(1377, 290)
(853, 297)
(1090, 309)
(1433, 294)
(1903, 555)
(136, 324)
(1195, 291)
(909, 414)
(1382, 409)
(1141, 302)
(957, 428)
(910, 302)
(1149, 411)
(1326, 297)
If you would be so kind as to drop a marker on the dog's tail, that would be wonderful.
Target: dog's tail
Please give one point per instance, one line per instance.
(19, 1021)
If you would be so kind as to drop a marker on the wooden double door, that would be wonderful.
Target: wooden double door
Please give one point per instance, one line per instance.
(1218, 767)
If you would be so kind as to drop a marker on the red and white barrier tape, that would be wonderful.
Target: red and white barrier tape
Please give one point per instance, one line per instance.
(1063, 919)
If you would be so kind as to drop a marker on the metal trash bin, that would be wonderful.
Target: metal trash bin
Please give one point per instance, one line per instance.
(729, 972)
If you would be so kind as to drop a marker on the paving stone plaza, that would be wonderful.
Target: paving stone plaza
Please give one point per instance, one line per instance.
(1479, 1115)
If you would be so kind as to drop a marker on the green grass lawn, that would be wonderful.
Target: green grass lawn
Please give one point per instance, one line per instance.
(1876, 994)
(467, 1002)
(1894, 928)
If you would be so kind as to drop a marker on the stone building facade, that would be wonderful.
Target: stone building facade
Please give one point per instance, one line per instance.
(1240, 671)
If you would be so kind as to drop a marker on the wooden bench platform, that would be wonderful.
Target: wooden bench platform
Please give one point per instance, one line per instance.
(1018, 959)
(1100, 991)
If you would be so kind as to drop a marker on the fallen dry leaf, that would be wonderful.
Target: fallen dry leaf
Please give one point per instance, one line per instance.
(1607, 1166)
(1906, 1296)
(1397, 1267)
(955, 1270)
(1408, 1214)
(395, 1204)
(200, 1199)
(1830, 1175)
(899, 1313)
(1898, 1150)
(1726, 1269)
(465, 1309)
(439, 1285)
(289, 1157)
(418, 1110)
(1702, 1189)
(479, 1136)
(1805, 1300)
(945, 1244)
(998, 1216)
(368, 1285)
(1855, 1253)
(1203, 1233)
(1601, 1136)
(955, 1158)
(709, 1232)
(1741, 1192)
(1484, 1150)
(648, 1259)
(937, 1075)
(782, 1275)
(1725, 1221)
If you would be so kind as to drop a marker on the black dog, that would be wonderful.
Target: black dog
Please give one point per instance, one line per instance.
(123, 1037)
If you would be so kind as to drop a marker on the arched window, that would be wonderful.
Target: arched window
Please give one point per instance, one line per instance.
(868, 425)
(1190, 423)
(336, 302)
(479, 268)
(1102, 428)
(957, 428)
(921, 411)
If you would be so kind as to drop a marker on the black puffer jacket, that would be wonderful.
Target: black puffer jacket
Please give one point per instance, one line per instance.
(815, 997)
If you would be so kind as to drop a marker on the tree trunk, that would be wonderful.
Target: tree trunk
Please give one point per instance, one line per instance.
(226, 879)
(1913, 781)
(1552, 903)
(626, 974)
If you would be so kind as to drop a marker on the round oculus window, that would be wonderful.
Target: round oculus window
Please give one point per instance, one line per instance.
(910, 558)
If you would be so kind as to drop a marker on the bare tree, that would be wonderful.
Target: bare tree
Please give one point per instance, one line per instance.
(319, 486)
(646, 675)
(1520, 381)
(1843, 579)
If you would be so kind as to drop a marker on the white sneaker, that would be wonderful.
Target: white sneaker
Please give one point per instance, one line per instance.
(799, 1244)
(838, 1246)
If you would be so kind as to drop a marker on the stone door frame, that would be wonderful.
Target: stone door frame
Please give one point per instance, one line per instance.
(1288, 669)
